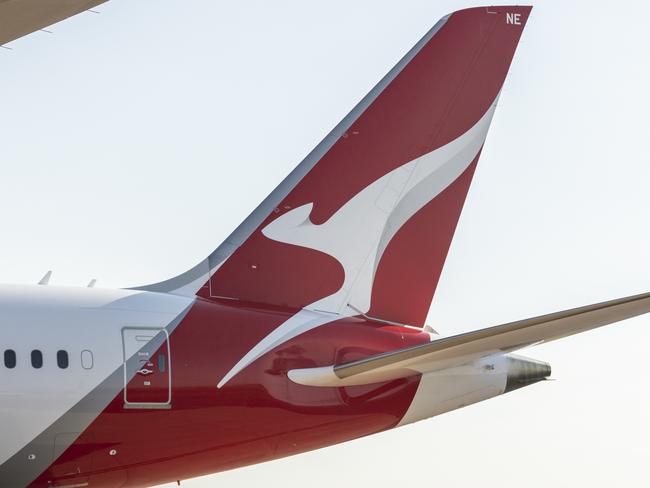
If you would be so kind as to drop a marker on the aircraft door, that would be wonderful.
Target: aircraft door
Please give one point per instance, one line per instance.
(147, 368)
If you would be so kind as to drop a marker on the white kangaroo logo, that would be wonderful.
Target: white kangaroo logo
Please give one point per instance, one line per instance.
(357, 234)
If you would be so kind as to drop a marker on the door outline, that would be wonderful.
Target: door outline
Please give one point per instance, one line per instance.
(125, 361)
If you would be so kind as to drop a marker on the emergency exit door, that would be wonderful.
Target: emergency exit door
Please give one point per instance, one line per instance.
(147, 375)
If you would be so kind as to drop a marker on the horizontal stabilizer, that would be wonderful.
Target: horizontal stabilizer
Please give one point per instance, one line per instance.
(462, 348)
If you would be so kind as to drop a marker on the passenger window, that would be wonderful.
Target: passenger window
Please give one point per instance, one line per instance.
(87, 360)
(62, 359)
(37, 359)
(10, 358)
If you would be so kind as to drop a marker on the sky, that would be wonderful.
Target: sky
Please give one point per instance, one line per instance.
(135, 140)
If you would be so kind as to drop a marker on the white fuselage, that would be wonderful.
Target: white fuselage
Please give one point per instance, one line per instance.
(86, 323)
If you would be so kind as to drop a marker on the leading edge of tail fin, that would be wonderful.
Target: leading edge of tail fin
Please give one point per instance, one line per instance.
(364, 223)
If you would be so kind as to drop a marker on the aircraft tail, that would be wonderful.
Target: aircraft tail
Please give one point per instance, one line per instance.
(364, 223)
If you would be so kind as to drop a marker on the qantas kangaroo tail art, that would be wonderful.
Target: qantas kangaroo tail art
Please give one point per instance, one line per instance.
(364, 223)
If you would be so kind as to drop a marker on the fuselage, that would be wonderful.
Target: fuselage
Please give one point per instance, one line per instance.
(81, 416)
(119, 414)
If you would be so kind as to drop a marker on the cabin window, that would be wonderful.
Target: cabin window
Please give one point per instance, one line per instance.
(87, 360)
(10, 358)
(62, 359)
(37, 359)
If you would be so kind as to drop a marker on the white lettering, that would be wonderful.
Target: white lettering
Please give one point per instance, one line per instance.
(512, 18)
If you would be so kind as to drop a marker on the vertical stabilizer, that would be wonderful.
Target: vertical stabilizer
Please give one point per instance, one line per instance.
(364, 223)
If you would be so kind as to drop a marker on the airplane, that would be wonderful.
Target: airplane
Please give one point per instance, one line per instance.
(306, 327)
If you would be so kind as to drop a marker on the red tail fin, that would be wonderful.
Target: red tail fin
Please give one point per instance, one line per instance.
(365, 221)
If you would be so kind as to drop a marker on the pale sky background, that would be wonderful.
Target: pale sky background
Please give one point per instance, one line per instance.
(134, 141)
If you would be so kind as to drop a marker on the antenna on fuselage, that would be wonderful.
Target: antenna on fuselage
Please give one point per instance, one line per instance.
(92, 283)
(45, 280)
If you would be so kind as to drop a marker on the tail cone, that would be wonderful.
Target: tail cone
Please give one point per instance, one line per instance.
(524, 371)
